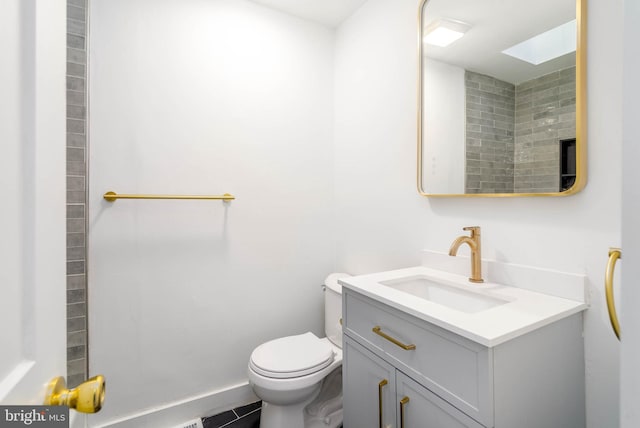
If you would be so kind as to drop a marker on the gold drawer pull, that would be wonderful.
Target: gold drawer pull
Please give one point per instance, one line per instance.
(382, 383)
(379, 332)
(403, 402)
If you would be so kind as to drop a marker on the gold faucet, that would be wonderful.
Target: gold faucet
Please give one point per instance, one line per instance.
(474, 243)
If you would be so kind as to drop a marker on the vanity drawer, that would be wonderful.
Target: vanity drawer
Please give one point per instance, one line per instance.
(455, 368)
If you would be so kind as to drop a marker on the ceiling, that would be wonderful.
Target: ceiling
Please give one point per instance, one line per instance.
(327, 12)
(497, 25)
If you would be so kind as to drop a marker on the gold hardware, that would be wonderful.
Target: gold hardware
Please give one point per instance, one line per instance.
(614, 255)
(382, 383)
(340, 321)
(403, 402)
(85, 398)
(474, 244)
(112, 196)
(379, 332)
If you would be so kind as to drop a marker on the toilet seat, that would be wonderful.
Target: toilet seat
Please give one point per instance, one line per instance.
(291, 356)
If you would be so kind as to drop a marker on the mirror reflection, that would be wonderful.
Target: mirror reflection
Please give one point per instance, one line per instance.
(498, 98)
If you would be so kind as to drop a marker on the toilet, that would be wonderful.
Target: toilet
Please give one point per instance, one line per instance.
(299, 378)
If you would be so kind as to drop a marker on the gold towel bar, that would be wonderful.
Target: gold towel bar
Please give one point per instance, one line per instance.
(112, 196)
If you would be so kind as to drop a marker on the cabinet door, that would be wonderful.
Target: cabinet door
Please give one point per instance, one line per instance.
(420, 408)
(368, 388)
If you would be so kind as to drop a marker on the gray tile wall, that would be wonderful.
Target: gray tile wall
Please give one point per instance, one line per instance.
(513, 133)
(490, 106)
(76, 191)
(545, 114)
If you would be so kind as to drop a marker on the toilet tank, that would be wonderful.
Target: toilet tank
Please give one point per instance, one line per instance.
(333, 308)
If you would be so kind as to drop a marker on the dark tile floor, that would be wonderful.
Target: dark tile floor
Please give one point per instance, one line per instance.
(243, 417)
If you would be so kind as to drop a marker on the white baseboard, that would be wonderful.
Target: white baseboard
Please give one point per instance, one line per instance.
(175, 413)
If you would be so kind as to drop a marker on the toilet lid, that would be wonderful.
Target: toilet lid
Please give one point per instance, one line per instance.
(291, 356)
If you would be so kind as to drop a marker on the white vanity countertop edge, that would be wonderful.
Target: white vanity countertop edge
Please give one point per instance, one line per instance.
(526, 311)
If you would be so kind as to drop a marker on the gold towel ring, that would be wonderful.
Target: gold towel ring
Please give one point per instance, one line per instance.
(614, 255)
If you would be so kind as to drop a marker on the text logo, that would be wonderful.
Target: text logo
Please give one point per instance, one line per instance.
(34, 416)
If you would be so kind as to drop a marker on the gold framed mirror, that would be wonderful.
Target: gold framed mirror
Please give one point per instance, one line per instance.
(502, 106)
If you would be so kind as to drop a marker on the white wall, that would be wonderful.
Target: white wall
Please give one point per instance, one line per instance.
(384, 224)
(444, 127)
(204, 97)
(629, 293)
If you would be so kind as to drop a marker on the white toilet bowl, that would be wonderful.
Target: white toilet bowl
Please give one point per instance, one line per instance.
(288, 373)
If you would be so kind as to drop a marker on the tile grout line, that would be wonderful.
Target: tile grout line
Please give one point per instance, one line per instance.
(241, 417)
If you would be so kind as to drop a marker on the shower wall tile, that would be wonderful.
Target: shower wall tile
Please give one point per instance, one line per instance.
(77, 338)
(75, 12)
(513, 132)
(76, 70)
(76, 55)
(75, 197)
(75, 239)
(74, 253)
(76, 112)
(545, 114)
(75, 353)
(76, 183)
(76, 310)
(76, 324)
(76, 98)
(74, 268)
(75, 83)
(76, 27)
(76, 366)
(77, 42)
(75, 225)
(75, 296)
(75, 282)
(490, 105)
(75, 211)
(76, 168)
(75, 153)
(76, 140)
(75, 126)
(76, 192)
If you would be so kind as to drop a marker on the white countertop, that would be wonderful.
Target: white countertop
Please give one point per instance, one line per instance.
(525, 310)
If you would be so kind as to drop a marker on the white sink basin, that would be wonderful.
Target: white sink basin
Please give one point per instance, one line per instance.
(488, 313)
(452, 296)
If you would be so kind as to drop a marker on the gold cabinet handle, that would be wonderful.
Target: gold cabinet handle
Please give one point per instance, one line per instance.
(403, 402)
(85, 398)
(377, 330)
(614, 255)
(382, 383)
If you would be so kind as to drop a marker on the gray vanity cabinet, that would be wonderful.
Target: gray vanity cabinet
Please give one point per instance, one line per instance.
(369, 387)
(535, 380)
(378, 395)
